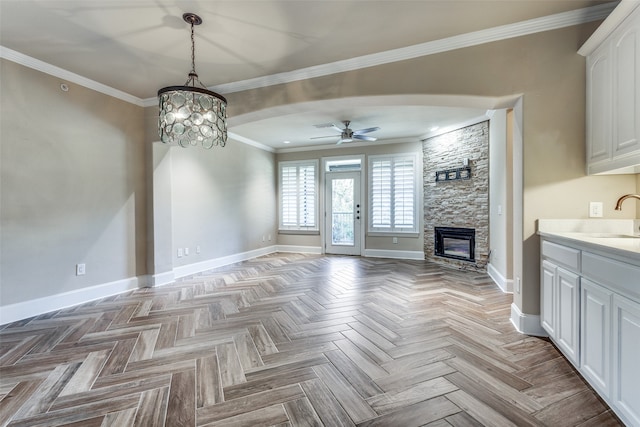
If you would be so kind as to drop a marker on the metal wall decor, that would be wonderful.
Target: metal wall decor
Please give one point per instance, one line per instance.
(454, 174)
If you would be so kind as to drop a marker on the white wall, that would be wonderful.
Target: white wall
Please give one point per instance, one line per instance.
(499, 200)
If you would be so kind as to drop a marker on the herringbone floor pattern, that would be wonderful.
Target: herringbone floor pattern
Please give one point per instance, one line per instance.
(288, 340)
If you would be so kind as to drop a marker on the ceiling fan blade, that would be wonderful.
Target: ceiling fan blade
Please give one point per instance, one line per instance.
(337, 129)
(367, 130)
(340, 142)
(328, 136)
(364, 138)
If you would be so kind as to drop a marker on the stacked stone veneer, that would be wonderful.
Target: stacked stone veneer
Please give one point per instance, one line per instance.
(461, 203)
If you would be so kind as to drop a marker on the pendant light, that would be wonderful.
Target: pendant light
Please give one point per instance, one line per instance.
(192, 114)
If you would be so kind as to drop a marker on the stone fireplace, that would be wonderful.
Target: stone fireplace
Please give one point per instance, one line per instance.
(456, 197)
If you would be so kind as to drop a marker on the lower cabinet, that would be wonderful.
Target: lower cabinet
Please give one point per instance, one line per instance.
(626, 359)
(595, 328)
(560, 308)
(568, 312)
(591, 310)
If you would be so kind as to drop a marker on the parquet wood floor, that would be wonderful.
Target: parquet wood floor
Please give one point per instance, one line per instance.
(293, 340)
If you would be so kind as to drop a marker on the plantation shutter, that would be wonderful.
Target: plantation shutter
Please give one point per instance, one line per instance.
(392, 186)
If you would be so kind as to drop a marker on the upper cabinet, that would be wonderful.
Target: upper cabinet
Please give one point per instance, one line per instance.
(613, 93)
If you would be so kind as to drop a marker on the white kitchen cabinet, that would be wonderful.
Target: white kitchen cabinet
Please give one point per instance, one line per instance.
(626, 354)
(590, 306)
(548, 308)
(595, 333)
(568, 284)
(560, 297)
(613, 100)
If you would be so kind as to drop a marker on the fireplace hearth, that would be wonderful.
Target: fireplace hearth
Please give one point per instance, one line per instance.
(455, 242)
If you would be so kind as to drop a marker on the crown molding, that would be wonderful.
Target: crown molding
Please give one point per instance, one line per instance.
(518, 29)
(251, 142)
(68, 76)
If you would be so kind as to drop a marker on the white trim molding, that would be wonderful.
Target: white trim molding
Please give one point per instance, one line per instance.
(52, 70)
(160, 279)
(24, 310)
(526, 323)
(394, 254)
(199, 267)
(506, 285)
(316, 250)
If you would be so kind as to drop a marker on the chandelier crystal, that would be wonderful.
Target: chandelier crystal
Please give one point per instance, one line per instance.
(191, 114)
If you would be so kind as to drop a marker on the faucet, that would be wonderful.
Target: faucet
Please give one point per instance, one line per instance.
(625, 197)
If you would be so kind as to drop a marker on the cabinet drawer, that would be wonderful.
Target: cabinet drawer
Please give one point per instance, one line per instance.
(619, 276)
(568, 257)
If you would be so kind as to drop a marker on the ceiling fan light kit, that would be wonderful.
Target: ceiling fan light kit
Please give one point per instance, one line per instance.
(347, 134)
(192, 114)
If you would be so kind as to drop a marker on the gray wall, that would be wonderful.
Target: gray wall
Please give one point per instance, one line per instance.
(223, 200)
(72, 171)
(86, 184)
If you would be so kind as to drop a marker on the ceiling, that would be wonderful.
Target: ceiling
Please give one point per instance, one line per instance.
(139, 46)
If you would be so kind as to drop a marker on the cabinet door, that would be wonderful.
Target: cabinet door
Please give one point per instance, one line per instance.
(626, 86)
(595, 332)
(626, 354)
(599, 105)
(568, 314)
(548, 309)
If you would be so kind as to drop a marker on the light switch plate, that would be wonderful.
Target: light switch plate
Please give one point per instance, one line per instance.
(595, 210)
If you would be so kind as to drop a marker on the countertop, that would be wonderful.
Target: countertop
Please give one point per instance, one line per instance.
(614, 238)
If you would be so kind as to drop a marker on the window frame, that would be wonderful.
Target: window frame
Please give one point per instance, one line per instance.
(298, 228)
(393, 229)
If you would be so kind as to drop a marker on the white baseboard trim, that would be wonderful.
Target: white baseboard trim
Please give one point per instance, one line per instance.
(199, 267)
(526, 323)
(23, 310)
(160, 279)
(300, 249)
(506, 285)
(384, 253)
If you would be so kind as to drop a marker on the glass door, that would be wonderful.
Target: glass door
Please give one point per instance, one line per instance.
(343, 213)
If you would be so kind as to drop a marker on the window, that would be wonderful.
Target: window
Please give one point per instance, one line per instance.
(393, 194)
(298, 195)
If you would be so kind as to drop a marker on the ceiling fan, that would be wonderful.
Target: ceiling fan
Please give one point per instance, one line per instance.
(347, 134)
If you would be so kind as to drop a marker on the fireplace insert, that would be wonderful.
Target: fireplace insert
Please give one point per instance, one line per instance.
(455, 242)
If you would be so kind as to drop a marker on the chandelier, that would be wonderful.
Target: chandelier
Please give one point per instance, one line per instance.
(192, 114)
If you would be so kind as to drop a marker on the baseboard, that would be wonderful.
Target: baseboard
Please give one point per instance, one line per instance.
(300, 249)
(199, 267)
(384, 253)
(159, 279)
(503, 283)
(24, 310)
(526, 323)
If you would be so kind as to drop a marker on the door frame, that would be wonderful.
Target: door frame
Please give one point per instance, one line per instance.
(363, 199)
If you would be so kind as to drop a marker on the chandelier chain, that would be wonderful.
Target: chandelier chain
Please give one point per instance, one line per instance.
(193, 51)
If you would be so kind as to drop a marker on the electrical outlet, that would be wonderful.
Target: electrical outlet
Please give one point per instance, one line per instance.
(395, 240)
(80, 269)
(595, 210)
(186, 251)
(198, 249)
(180, 252)
(517, 285)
